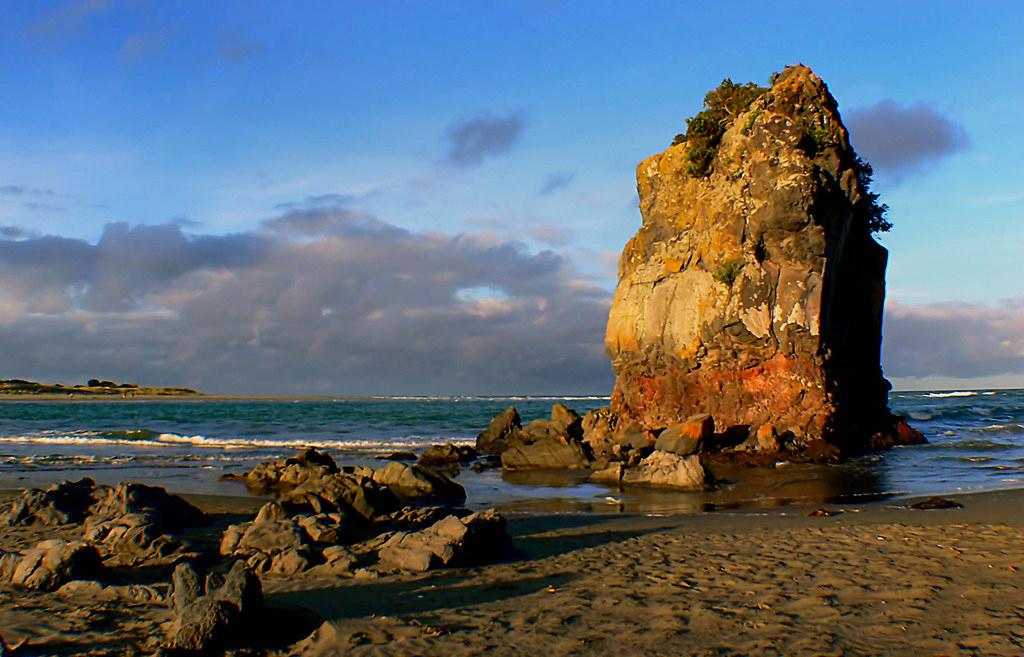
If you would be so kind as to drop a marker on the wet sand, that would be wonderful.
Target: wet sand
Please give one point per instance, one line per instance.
(877, 579)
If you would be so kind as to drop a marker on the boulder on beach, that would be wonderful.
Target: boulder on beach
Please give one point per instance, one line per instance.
(598, 427)
(451, 541)
(152, 503)
(667, 470)
(753, 290)
(62, 503)
(51, 564)
(129, 523)
(130, 539)
(544, 453)
(354, 493)
(687, 437)
(442, 456)
(281, 546)
(555, 442)
(504, 427)
(415, 482)
(133, 523)
(209, 618)
(282, 475)
(311, 483)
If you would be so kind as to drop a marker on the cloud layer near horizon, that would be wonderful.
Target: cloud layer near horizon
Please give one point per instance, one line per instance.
(317, 301)
(330, 299)
(952, 339)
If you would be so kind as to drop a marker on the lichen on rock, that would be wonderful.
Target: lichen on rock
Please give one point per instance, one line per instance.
(753, 290)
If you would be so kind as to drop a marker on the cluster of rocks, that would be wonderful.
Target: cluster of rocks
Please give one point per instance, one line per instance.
(127, 525)
(332, 519)
(50, 564)
(451, 541)
(746, 323)
(325, 520)
(620, 454)
(123, 525)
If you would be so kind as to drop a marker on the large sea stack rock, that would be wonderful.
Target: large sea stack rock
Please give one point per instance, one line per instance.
(753, 291)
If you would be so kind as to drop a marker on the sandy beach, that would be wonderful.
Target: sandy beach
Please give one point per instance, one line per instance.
(875, 579)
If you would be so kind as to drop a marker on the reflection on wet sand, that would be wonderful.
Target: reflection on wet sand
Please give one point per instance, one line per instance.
(737, 487)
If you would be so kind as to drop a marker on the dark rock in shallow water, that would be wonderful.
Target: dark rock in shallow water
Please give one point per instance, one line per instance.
(504, 427)
(545, 453)
(401, 456)
(415, 482)
(280, 476)
(63, 503)
(445, 455)
(935, 503)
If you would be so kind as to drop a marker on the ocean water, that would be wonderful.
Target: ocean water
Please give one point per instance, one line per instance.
(976, 442)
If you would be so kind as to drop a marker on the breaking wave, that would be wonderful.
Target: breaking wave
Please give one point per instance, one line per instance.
(147, 438)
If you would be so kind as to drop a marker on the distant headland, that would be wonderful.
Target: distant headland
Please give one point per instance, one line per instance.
(91, 388)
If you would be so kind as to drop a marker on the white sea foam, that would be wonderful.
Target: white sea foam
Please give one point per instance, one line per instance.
(1000, 428)
(178, 440)
(958, 393)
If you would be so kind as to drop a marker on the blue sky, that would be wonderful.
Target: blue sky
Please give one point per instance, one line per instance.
(219, 117)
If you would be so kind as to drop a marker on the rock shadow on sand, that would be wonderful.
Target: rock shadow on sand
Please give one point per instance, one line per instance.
(410, 598)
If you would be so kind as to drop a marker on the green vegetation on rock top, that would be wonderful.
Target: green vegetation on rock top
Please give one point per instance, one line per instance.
(704, 130)
(722, 105)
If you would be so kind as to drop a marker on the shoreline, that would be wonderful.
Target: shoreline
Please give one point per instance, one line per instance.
(991, 506)
(878, 578)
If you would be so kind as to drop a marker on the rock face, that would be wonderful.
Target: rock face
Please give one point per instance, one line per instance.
(62, 503)
(505, 426)
(50, 564)
(206, 622)
(450, 541)
(753, 291)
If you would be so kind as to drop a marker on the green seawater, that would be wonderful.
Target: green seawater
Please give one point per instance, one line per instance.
(976, 443)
